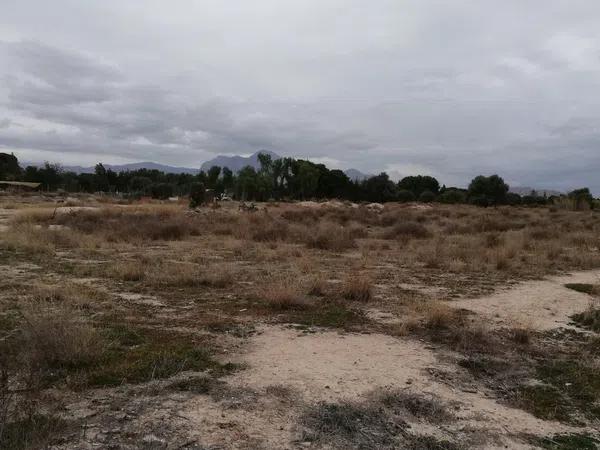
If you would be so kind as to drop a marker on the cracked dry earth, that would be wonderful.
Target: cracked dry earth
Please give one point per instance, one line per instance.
(288, 369)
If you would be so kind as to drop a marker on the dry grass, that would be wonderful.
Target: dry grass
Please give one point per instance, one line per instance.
(329, 236)
(57, 336)
(357, 288)
(284, 296)
(208, 267)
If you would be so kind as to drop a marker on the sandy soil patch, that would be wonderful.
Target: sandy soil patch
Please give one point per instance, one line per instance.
(329, 366)
(542, 305)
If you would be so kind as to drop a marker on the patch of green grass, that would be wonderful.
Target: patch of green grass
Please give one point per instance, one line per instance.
(589, 319)
(569, 442)
(425, 442)
(33, 432)
(584, 288)
(569, 388)
(329, 315)
(133, 355)
(197, 385)
(545, 402)
(580, 382)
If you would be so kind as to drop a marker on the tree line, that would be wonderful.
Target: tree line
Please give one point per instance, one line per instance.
(279, 179)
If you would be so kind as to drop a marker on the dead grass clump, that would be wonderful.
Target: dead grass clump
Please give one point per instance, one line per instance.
(521, 334)
(329, 236)
(128, 271)
(358, 288)
(406, 231)
(33, 215)
(56, 337)
(317, 286)
(285, 296)
(26, 238)
(262, 228)
(132, 225)
(72, 294)
(306, 216)
(439, 316)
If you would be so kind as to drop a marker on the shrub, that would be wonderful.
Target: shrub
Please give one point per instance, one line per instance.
(197, 192)
(55, 338)
(486, 191)
(330, 236)
(285, 296)
(404, 196)
(357, 288)
(452, 196)
(407, 230)
(427, 197)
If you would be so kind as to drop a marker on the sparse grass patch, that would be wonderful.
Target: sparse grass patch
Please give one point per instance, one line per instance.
(203, 385)
(32, 432)
(330, 315)
(379, 422)
(585, 288)
(590, 318)
(544, 402)
(568, 442)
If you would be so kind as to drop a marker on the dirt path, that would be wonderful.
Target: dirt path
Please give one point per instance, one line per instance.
(542, 305)
(330, 366)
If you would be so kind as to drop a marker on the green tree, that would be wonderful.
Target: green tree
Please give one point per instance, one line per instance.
(380, 188)
(419, 184)
(582, 198)
(487, 191)
(197, 191)
(9, 167)
(213, 177)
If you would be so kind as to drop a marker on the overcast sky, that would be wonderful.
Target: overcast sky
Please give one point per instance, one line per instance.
(446, 88)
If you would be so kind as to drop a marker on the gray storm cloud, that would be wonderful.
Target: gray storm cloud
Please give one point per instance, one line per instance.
(451, 89)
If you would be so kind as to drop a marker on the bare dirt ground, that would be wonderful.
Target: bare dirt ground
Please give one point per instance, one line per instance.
(301, 326)
(542, 305)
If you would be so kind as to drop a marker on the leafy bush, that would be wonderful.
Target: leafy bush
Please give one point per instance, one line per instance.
(405, 195)
(197, 191)
(427, 197)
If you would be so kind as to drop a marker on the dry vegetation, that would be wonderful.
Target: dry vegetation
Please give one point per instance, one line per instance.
(123, 295)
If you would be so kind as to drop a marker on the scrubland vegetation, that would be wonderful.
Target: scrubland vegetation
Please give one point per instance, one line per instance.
(154, 300)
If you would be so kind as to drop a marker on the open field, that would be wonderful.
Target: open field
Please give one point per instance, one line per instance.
(304, 325)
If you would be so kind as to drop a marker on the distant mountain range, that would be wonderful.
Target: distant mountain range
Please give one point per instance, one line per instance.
(235, 163)
(526, 190)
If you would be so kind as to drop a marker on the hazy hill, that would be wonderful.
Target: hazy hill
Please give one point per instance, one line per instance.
(236, 163)
(356, 175)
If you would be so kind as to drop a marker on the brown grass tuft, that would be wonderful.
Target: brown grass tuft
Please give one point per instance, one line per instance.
(358, 288)
(285, 296)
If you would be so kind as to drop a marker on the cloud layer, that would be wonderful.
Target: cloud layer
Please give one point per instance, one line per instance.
(451, 89)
